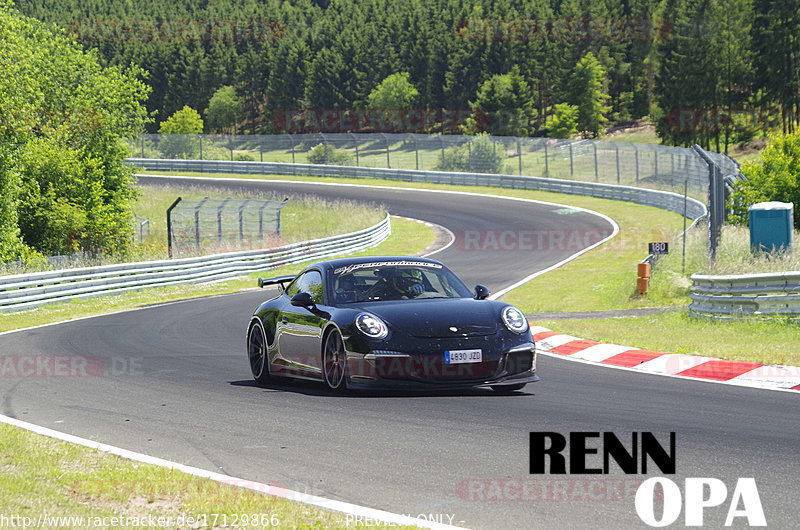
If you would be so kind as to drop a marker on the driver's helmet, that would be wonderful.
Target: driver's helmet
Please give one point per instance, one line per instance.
(408, 282)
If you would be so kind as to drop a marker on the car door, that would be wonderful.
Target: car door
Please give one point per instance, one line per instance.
(299, 329)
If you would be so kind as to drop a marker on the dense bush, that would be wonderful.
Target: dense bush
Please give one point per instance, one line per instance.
(63, 183)
(482, 155)
(330, 156)
(775, 178)
(180, 132)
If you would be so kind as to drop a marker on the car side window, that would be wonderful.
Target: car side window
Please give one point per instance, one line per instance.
(309, 282)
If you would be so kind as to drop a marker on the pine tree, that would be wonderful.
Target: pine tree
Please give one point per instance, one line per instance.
(587, 92)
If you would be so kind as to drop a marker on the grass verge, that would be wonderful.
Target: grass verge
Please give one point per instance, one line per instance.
(766, 342)
(62, 485)
(303, 218)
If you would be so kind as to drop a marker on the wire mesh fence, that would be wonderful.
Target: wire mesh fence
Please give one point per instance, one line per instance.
(141, 228)
(699, 173)
(644, 165)
(214, 223)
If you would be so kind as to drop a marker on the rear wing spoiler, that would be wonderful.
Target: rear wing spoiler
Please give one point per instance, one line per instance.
(278, 280)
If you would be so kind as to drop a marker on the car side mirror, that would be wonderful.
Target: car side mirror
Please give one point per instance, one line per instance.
(481, 292)
(302, 300)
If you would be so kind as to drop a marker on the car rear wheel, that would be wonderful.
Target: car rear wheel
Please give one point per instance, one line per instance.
(507, 389)
(334, 362)
(257, 352)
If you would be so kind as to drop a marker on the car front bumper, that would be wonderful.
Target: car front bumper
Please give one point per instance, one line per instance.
(426, 368)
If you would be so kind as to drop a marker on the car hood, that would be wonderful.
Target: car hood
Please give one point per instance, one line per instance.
(434, 318)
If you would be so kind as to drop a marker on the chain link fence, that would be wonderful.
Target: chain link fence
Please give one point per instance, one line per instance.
(636, 164)
(696, 172)
(219, 224)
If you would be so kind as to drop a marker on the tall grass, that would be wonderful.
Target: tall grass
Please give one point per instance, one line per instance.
(671, 281)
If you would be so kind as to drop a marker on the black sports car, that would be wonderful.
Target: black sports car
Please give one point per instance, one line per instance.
(389, 321)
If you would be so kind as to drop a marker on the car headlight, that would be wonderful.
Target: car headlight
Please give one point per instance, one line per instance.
(371, 326)
(514, 319)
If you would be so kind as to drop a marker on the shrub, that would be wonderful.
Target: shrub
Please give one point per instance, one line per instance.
(333, 156)
(775, 178)
(482, 155)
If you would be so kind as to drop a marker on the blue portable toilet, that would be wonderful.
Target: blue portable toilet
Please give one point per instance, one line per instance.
(771, 226)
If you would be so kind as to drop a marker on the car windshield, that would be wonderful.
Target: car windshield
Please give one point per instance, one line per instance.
(369, 282)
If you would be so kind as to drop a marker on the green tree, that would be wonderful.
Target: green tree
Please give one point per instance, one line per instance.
(564, 123)
(394, 92)
(224, 110)
(775, 178)
(327, 154)
(587, 92)
(480, 155)
(63, 182)
(180, 130)
(503, 105)
(776, 41)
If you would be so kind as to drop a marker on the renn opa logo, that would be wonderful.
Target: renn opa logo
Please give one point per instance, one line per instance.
(699, 494)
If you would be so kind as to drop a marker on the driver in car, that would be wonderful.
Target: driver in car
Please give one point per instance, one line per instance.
(396, 284)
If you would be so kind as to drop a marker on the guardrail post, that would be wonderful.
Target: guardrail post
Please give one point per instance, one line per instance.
(230, 145)
(616, 153)
(441, 141)
(388, 161)
(169, 225)
(200, 138)
(416, 152)
(596, 170)
(519, 156)
(636, 156)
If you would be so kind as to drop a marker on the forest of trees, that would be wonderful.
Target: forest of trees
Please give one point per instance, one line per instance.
(706, 71)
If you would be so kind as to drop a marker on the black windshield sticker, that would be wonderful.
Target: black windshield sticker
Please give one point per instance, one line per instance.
(377, 264)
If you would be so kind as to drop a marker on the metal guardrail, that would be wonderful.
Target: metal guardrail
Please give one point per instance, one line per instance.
(26, 291)
(738, 296)
(666, 200)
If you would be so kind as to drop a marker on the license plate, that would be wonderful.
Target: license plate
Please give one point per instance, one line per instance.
(462, 356)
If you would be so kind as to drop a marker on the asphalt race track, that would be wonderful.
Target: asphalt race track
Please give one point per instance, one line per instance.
(173, 381)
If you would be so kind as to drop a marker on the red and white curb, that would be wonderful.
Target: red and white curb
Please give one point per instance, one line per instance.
(771, 377)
